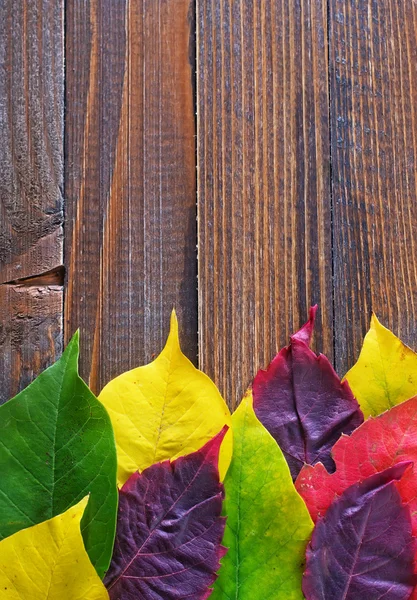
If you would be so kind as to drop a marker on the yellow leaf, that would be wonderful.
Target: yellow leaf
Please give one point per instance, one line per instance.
(49, 562)
(164, 410)
(386, 371)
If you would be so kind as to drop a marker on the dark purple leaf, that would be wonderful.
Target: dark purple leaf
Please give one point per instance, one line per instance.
(303, 404)
(363, 547)
(169, 530)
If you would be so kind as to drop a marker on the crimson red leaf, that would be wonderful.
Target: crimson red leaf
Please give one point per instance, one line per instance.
(363, 548)
(169, 529)
(376, 445)
(305, 333)
(303, 404)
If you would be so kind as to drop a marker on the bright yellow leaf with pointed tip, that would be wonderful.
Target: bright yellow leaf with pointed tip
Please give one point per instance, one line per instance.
(164, 410)
(49, 562)
(386, 371)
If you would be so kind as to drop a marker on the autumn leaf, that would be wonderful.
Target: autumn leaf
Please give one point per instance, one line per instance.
(303, 404)
(169, 529)
(163, 410)
(376, 445)
(49, 561)
(386, 371)
(57, 446)
(363, 547)
(267, 525)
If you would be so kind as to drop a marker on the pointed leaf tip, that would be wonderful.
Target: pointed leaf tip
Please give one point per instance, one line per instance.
(385, 477)
(73, 345)
(212, 447)
(267, 525)
(385, 373)
(54, 466)
(305, 333)
(173, 335)
(303, 404)
(164, 410)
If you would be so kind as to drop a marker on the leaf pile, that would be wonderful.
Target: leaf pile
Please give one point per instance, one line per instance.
(317, 502)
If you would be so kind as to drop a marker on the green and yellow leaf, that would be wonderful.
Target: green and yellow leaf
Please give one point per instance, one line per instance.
(268, 525)
(164, 410)
(57, 444)
(49, 561)
(385, 373)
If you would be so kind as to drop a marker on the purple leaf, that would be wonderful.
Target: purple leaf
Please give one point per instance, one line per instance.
(303, 404)
(363, 547)
(169, 529)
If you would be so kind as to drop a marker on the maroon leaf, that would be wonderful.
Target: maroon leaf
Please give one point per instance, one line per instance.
(169, 529)
(303, 404)
(305, 333)
(363, 547)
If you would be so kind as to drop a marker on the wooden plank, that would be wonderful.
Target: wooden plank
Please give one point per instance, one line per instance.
(30, 333)
(373, 80)
(31, 176)
(263, 182)
(129, 181)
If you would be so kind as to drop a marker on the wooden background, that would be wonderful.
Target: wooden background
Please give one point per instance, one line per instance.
(276, 138)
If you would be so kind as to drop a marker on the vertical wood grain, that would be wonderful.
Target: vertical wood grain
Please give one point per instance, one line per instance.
(129, 181)
(31, 176)
(373, 82)
(264, 208)
(306, 176)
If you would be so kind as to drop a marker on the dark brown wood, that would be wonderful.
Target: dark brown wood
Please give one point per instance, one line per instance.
(31, 175)
(130, 181)
(263, 184)
(373, 81)
(306, 175)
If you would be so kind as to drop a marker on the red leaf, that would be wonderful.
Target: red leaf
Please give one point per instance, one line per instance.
(302, 403)
(379, 443)
(169, 529)
(363, 548)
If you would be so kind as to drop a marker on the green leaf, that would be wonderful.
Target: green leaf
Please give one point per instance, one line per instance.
(268, 524)
(56, 446)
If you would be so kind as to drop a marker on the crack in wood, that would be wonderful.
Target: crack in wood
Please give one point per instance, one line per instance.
(55, 276)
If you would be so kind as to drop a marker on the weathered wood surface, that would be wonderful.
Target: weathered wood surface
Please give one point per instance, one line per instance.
(30, 333)
(286, 220)
(130, 181)
(373, 90)
(31, 178)
(264, 182)
(307, 192)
